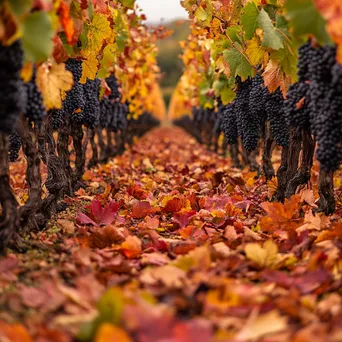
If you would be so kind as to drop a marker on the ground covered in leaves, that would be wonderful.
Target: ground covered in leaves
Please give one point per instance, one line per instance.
(167, 243)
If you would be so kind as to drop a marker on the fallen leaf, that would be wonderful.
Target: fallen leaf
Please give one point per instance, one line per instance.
(265, 256)
(110, 333)
(131, 247)
(258, 326)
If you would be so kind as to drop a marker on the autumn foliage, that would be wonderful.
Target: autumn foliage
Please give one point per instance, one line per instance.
(180, 247)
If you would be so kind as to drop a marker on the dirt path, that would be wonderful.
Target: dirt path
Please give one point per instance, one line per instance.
(166, 243)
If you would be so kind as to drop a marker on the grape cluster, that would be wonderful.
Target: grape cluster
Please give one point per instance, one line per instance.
(14, 147)
(229, 124)
(328, 127)
(304, 59)
(75, 101)
(35, 110)
(75, 67)
(12, 94)
(119, 119)
(113, 113)
(57, 118)
(296, 108)
(276, 117)
(321, 63)
(257, 99)
(325, 103)
(91, 113)
(114, 87)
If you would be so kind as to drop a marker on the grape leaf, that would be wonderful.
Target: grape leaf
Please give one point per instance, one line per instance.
(331, 12)
(128, 3)
(305, 18)
(37, 46)
(66, 22)
(89, 68)
(272, 38)
(203, 16)
(20, 7)
(239, 65)
(233, 33)
(274, 77)
(107, 61)
(52, 81)
(249, 20)
(254, 51)
(95, 34)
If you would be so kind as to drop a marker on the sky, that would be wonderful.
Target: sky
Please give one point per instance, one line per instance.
(156, 10)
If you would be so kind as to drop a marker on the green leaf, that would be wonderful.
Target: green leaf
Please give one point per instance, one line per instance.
(20, 7)
(107, 61)
(203, 16)
(288, 60)
(128, 3)
(281, 23)
(305, 19)
(37, 37)
(110, 307)
(227, 95)
(239, 66)
(233, 32)
(249, 20)
(272, 38)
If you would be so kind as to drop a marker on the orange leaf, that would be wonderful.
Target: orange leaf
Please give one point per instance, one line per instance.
(14, 333)
(334, 232)
(110, 333)
(131, 247)
(66, 22)
(274, 77)
(300, 103)
(281, 216)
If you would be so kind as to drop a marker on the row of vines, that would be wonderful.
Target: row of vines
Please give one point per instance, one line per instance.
(266, 77)
(76, 76)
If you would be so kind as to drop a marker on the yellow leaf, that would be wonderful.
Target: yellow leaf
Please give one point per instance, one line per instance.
(110, 333)
(97, 32)
(52, 81)
(259, 326)
(199, 258)
(255, 51)
(89, 68)
(27, 71)
(265, 256)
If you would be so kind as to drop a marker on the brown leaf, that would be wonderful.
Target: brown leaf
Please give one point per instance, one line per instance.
(66, 226)
(274, 77)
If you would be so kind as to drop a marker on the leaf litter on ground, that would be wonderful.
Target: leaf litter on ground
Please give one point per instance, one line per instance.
(168, 243)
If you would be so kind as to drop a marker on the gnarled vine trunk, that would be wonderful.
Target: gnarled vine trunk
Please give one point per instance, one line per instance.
(9, 222)
(33, 176)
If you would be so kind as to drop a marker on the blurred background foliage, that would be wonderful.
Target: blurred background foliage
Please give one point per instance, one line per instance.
(169, 62)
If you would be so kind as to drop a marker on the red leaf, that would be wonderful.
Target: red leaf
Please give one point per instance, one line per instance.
(84, 219)
(109, 212)
(183, 218)
(99, 216)
(141, 209)
(137, 192)
(173, 205)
